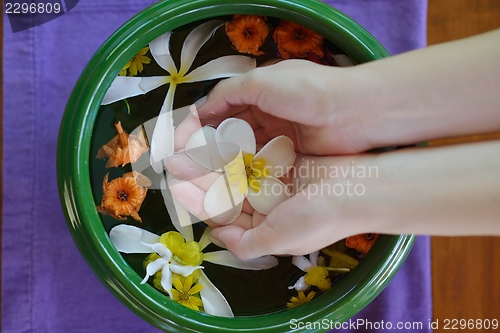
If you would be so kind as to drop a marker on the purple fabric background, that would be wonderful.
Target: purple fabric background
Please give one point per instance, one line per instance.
(47, 287)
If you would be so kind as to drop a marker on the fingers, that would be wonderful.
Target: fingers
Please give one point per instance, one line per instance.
(190, 197)
(251, 237)
(184, 168)
(282, 90)
(191, 185)
(186, 128)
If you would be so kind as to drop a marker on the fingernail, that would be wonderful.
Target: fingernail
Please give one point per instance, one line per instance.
(177, 163)
(198, 104)
(216, 241)
(174, 181)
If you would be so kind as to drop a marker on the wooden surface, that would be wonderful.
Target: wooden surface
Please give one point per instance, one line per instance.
(466, 271)
(1, 152)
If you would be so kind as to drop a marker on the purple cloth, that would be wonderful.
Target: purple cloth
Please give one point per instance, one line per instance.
(46, 284)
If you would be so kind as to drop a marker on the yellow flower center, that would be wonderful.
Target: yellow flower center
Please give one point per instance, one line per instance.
(246, 171)
(185, 292)
(176, 79)
(185, 253)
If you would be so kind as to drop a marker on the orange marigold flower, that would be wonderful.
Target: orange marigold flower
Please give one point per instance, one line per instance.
(124, 196)
(361, 243)
(296, 41)
(247, 33)
(123, 148)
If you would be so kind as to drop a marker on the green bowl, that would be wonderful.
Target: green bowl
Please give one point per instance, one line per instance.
(340, 303)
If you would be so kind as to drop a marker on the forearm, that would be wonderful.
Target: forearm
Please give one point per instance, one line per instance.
(451, 190)
(441, 91)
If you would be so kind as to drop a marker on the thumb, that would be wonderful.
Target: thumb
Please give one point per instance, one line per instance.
(247, 244)
(229, 94)
(281, 233)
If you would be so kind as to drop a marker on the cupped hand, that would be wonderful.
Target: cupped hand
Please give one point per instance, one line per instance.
(320, 211)
(295, 98)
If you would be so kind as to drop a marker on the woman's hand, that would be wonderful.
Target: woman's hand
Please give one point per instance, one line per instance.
(294, 98)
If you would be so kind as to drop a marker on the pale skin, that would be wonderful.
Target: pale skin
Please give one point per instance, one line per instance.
(334, 115)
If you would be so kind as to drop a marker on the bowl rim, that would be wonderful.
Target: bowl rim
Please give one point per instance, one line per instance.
(84, 222)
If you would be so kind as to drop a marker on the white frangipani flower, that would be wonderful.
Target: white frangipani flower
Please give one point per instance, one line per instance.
(162, 142)
(130, 239)
(254, 175)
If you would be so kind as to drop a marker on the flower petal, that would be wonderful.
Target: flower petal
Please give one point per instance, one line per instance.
(205, 240)
(238, 132)
(342, 60)
(162, 250)
(194, 41)
(225, 66)
(202, 148)
(152, 82)
(127, 86)
(162, 141)
(272, 192)
(214, 302)
(166, 279)
(183, 270)
(160, 50)
(302, 263)
(279, 155)
(300, 285)
(223, 203)
(313, 258)
(226, 258)
(121, 88)
(154, 267)
(180, 217)
(130, 239)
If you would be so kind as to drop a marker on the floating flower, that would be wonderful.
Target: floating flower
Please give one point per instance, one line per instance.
(316, 273)
(361, 243)
(134, 65)
(176, 253)
(185, 292)
(124, 196)
(247, 33)
(342, 262)
(232, 147)
(123, 148)
(162, 142)
(300, 299)
(296, 41)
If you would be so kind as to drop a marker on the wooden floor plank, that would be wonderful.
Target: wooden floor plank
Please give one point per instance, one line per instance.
(466, 271)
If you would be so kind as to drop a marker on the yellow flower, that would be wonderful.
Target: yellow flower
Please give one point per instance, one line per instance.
(301, 299)
(185, 253)
(318, 276)
(134, 65)
(186, 293)
(246, 171)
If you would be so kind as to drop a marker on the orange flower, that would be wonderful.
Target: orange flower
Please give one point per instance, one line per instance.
(297, 41)
(124, 196)
(361, 243)
(247, 33)
(123, 148)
